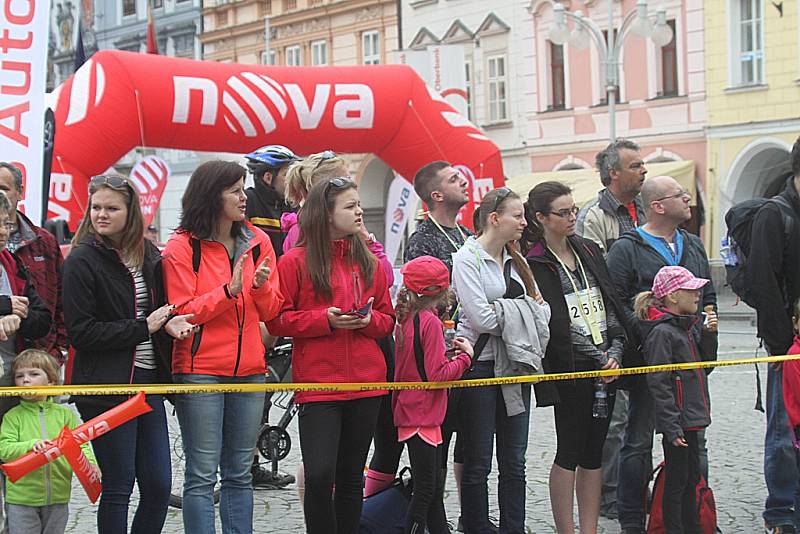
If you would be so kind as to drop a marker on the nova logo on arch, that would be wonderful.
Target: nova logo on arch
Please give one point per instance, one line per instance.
(254, 104)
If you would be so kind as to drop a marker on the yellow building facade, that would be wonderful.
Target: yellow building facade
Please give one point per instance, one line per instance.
(753, 102)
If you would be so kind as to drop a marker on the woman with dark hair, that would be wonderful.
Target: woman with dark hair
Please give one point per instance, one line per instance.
(488, 270)
(586, 335)
(114, 306)
(336, 307)
(217, 267)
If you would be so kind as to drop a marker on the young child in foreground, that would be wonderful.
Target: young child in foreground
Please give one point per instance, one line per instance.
(418, 415)
(670, 327)
(38, 503)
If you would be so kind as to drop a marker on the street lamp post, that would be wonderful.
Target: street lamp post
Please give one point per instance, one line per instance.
(585, 30)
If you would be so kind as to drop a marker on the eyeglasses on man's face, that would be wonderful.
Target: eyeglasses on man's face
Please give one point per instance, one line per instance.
(683, 194)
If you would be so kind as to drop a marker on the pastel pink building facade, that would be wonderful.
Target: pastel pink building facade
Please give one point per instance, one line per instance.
(661, 101)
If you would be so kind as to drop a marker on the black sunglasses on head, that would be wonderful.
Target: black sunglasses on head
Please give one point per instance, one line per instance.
(114, 181)
(338, 183)
(502, 195)
(325, 156)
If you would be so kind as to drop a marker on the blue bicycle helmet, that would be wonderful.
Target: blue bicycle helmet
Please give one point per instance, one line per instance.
(269, 158)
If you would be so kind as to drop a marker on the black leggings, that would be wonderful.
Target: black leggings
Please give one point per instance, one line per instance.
(580, 436)
(427, 501)
(334, 439)
(386, 457)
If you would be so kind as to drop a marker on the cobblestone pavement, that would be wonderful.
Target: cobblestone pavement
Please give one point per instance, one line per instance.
(735, 442)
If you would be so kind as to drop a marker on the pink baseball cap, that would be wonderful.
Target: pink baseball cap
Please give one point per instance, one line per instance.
(673, 278)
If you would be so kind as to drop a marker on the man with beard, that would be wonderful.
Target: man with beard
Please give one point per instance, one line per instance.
(633, 262)
(444, 191)
(617, 208)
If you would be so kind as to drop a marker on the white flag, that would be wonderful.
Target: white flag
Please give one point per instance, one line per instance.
(399, 204)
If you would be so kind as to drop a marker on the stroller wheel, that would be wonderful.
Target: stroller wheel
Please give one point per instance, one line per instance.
(274, 443)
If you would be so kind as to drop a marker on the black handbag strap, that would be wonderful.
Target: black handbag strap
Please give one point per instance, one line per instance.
(419, 355)
(483, 339)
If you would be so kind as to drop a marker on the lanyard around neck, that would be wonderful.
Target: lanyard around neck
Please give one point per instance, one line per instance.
(452, 241)
(597, 336)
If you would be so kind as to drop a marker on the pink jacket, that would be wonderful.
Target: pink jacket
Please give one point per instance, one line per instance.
(424, 408)
(291, 227)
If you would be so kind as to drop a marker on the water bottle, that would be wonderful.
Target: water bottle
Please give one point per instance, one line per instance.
(728, 252)
(600, 406)
(449, 338)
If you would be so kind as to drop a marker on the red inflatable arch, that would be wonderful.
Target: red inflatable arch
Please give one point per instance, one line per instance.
(120, 100)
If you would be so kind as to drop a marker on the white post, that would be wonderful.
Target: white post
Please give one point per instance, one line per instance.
(267, 41)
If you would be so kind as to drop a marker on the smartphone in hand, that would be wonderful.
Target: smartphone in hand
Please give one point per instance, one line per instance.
(362, 311)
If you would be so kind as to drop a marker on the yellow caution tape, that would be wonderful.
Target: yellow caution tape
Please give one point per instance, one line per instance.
(175, 389)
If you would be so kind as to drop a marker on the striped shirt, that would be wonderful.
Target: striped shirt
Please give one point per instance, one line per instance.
(145, 355)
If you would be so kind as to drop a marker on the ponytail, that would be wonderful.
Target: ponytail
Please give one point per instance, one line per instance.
(643, 302)
(409, 304)
(523, 269)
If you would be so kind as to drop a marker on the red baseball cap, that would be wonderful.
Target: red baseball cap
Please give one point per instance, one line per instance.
(426, 275)
(673, 278)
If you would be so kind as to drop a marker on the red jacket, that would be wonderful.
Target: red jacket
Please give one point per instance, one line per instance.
(41, 255)
(319, 353)
(413, 408)
(229, 340)
(791, 385)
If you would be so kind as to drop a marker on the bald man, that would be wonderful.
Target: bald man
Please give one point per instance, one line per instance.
(633, 262)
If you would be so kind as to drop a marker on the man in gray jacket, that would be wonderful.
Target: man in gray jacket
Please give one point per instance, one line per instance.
(617, 209)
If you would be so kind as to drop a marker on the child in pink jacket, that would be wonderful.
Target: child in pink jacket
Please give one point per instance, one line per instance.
(418, 415)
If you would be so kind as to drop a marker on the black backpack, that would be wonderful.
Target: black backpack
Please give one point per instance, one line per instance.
(736, 245)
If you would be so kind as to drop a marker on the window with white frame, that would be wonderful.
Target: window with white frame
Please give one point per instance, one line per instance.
(669, 64)
(268, 58)
(496, 84)
(747, 42)
(371, 48)
(319, 53)
(293, 56)
(128, 8)
(557, 77)
(184, 45)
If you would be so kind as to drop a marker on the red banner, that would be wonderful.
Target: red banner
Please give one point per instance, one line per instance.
(119, 100)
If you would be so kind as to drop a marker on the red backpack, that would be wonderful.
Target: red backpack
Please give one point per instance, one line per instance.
(705, 501)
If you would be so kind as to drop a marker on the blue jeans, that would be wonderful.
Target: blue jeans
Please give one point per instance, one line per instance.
(482, 414)
(636, 457)
(780, 459)
(219, 430)
(137, 451)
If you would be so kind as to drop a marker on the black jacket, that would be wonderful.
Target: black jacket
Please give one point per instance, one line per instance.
(633, 265)
(773, 271)
(681, 397)
(545, 270)
(264, 209)
(37, 324)
(100, 315)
